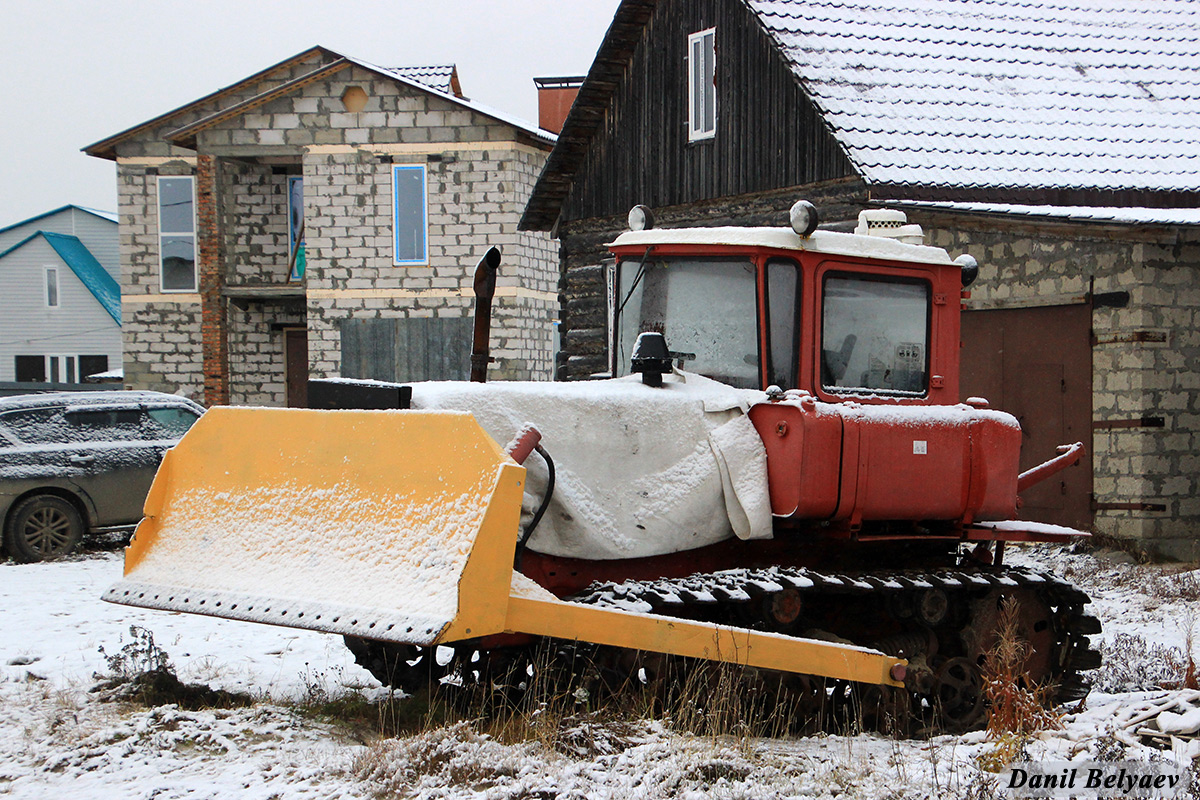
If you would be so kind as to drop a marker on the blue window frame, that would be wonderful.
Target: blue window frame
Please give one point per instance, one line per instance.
(410, 215)
(296, 254)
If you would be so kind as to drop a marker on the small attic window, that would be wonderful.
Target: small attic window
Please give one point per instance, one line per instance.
(354, 99)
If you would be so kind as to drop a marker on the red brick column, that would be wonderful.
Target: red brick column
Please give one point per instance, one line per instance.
(214, 327)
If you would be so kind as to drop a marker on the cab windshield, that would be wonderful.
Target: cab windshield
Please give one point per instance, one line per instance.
(706, 309)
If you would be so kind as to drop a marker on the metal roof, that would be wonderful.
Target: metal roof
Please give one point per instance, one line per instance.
(1080, 94)
(1171, 217)
(107, 215)
(443, 77)
(85, 266)
(1065, 102)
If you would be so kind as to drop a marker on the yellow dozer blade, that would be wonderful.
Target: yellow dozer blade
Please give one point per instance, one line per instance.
(399, 526)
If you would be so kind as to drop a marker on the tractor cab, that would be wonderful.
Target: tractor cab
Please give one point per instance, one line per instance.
(870, 316)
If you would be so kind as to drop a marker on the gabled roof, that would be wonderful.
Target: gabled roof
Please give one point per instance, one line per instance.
(1077, 94)
(106, 148)
(1063, 101)
(85, 266)
(186, 136)
(106, 215)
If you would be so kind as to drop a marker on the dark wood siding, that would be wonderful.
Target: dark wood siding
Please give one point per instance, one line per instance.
(407, 349)
(769, 135)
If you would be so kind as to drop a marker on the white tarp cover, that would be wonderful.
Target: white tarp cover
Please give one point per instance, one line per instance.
(640, 471)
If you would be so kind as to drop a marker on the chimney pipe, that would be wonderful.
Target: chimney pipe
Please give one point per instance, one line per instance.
(555, 96)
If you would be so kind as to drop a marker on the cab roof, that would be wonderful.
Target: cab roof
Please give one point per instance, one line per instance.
(831, 242)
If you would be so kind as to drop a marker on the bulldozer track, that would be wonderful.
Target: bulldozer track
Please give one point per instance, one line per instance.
(752, 598)
(938, 619)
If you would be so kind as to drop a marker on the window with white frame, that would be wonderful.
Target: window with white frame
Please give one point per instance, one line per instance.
(51, 287)
(410, 215)
(702, 87)
(177, 232)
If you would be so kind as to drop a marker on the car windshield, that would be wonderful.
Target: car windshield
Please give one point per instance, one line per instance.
(706, 309)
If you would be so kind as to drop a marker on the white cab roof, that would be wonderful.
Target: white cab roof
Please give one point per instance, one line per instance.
(831, 242)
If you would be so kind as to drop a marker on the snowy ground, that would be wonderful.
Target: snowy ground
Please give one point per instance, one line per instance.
(57, 739)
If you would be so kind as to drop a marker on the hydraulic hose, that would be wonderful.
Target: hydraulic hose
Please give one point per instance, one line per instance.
(541, 511)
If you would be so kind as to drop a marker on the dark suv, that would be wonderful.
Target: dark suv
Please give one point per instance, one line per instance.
(79, 461)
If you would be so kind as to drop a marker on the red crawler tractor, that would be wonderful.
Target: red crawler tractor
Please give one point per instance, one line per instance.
(791, 484)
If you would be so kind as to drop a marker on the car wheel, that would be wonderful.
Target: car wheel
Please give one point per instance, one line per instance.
(41, 528)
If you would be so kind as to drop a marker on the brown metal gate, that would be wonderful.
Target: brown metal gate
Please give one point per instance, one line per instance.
(1036, 363)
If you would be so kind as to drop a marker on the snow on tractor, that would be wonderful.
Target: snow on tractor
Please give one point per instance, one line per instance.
(779, 475)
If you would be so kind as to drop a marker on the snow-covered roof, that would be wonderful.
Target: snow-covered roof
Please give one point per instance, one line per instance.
(832, 242)
(1082, 94)
(80, 260)
(1066, 102)
(1118, 216)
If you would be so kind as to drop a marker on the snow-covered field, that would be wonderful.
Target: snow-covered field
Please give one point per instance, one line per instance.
(59, 739)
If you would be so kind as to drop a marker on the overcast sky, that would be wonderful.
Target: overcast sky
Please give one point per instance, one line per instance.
(75, 72)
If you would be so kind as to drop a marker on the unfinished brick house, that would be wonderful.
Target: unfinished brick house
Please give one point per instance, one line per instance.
(322, 218)
(1057, 142)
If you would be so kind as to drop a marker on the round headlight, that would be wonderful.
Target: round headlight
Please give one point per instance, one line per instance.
(804, 217)
(641, 218)
(969, 267)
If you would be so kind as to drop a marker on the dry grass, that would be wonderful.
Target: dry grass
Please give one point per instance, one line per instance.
(1015, 709)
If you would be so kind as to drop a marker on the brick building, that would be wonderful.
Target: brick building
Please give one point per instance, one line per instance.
(323, 218)
(1057, 142)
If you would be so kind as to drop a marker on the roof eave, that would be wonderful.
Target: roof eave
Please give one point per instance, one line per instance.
(106, 148)
(186, 136)
(586, 114)
(1038, 195)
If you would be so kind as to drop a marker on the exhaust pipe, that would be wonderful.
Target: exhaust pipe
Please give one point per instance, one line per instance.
(485, 290)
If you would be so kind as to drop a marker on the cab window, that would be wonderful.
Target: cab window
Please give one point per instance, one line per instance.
(705, 308)
(875, 335)
(783, 322)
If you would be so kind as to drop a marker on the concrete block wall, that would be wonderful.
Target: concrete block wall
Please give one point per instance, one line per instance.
(254, 223)
(160, 332)
(478, 178)
(480, 172)
(257, 371)
(1145, 354)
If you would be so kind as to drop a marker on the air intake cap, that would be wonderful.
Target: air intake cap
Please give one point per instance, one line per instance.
(651, 358)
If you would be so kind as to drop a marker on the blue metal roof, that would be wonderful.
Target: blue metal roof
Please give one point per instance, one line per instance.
(108, 215)
(85, 266)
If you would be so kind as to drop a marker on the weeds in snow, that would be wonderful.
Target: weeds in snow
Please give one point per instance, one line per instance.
(1131, 664)
(141, 672)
